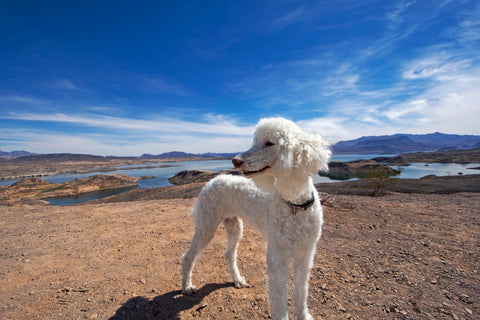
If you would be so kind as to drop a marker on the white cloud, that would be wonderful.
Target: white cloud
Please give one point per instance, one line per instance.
(161, 85)
(23, 100)
(213, 124)
(413, 108)
(106, 135)
(395, 16)
(289, 18)
(64, 84)
(440, 66)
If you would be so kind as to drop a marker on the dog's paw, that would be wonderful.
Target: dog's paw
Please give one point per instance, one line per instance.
(190, 290)
(305, 316)
(242, 283)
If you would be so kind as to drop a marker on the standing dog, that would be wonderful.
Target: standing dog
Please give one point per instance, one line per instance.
(280, 200)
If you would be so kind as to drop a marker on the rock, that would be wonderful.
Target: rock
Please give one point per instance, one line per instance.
(465, 298)
(201, 306)
(355, 169)
(341, 308)
(191, 176)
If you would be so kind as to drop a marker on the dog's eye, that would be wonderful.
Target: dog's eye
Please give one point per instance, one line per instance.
(269, 144)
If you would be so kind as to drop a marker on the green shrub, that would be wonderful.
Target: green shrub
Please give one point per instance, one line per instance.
(380, 179)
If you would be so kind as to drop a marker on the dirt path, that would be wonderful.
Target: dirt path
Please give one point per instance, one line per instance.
(402, 256)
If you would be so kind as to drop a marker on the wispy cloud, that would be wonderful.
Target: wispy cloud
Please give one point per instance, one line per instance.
(131, 144)
(64, 84)
(213, 125)
(468, 30)
(395, 16)
(123, 136)
(437, 66)
(24, 100)
(161, 85)
(291, 17)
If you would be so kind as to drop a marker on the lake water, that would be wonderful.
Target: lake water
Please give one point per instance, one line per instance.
(414, 171)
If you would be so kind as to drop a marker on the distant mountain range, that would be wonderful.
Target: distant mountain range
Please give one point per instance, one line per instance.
(397, 143)
(402, 143)
(21, 156)
(14, 154)
(180, 154)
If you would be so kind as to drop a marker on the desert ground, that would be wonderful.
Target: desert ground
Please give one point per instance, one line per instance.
(400, 256)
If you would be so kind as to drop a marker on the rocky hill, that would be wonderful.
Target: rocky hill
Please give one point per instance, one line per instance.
(14, 154)
(59, 157)
(451, 156)
(338, 170)
(401, 143)
(30, 190)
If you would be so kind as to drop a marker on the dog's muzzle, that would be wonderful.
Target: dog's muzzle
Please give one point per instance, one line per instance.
(237, 163)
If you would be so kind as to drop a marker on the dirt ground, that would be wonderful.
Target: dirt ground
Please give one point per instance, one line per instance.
(401, 256)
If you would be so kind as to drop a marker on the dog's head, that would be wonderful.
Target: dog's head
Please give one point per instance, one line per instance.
(282, 151)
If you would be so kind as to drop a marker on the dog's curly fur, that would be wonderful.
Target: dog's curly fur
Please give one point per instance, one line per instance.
(281, 163)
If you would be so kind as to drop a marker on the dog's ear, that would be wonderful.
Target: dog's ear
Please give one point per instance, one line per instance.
(314, 154)
(303, 155)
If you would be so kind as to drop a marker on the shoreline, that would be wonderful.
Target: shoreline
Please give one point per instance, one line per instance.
(31, 168)
(113, 169)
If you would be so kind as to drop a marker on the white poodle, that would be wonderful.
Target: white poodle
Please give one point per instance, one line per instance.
(281, 201)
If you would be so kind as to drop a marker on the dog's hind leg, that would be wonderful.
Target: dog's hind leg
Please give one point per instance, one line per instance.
(234, 227)
(204, 232)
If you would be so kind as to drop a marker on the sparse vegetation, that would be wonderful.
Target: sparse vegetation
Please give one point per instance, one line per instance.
(380, 179)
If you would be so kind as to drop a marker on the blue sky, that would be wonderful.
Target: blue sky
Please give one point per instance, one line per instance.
(134, 77)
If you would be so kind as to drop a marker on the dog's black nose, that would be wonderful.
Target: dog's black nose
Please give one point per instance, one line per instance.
(237, 162)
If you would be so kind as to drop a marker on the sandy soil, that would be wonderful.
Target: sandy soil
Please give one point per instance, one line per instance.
(401, 256)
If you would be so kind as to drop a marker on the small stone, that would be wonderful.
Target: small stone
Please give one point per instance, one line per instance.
(393, 309)
(465, 298)
(469, 311)
(341, 308)
(201, 306)
(143, 281)
(448, 295)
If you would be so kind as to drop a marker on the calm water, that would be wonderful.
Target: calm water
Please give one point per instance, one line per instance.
(415, 170)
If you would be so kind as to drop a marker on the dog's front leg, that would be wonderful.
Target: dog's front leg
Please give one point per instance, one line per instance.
(301, 268)
(277, 270)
